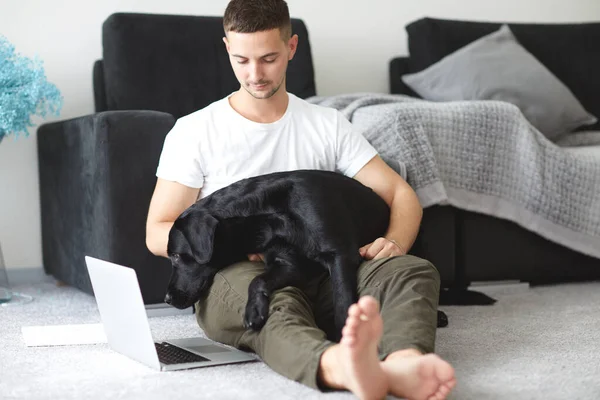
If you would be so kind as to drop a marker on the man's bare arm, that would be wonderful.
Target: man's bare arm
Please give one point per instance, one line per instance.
(405, 209)
(169, 200)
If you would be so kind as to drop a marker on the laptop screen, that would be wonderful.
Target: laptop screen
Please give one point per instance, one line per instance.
(122, 311)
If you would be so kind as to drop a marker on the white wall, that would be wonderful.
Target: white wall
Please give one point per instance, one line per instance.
(352, 42)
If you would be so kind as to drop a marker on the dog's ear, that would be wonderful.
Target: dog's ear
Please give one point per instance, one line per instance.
(198, 229)
(177, 243)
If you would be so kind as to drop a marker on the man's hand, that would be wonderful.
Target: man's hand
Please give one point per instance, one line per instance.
(256, 257)
(381, 248)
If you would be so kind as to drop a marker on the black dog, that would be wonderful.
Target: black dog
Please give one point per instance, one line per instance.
(304, 222)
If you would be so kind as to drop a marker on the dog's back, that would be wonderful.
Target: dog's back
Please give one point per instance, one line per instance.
(341, 210)
(317, 211)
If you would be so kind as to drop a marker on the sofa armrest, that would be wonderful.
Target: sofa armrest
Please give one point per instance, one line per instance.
(400, 66)
(97, 175)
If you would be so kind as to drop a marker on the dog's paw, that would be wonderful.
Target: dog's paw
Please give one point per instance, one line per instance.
(442, 319)
(257, 312)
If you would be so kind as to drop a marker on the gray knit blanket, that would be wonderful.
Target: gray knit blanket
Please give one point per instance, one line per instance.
(483, 156)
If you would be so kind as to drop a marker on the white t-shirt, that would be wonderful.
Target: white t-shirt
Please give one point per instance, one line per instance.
(216, 146)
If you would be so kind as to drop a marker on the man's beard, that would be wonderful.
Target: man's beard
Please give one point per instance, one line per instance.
(266, 95)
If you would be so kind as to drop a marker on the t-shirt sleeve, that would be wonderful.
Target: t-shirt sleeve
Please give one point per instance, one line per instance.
(180, 157)
(353, 151)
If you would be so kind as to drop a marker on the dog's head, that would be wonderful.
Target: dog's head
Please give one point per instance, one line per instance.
(190, 249)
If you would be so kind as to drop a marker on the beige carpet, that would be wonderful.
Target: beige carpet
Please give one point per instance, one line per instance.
(539, 343)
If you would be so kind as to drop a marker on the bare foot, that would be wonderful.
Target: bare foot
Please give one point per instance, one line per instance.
(419, 377)
(353, 364)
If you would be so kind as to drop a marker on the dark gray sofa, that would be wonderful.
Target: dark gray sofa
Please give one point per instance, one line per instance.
(468, 246)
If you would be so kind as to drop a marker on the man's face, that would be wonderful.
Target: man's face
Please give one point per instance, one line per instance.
(260, 60)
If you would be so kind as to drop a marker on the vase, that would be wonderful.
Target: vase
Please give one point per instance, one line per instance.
(5, 292)
(7, 296)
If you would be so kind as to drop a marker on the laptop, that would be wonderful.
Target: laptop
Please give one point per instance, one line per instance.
(128, 332)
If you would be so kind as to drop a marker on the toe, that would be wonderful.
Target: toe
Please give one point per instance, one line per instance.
(352, 322)
(354, 310)
(369, 306)
(348, 332)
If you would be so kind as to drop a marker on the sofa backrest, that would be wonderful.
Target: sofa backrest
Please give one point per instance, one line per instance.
(177, 63)
(570, 51)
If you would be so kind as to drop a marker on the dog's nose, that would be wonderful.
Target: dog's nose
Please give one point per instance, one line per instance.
(168, 298)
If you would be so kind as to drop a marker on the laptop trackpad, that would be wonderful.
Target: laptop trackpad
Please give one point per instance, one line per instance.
(207, 349)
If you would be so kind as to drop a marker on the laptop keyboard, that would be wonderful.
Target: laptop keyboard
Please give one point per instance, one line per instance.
(169, 354)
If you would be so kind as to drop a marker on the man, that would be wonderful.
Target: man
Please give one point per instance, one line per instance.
(261, 129)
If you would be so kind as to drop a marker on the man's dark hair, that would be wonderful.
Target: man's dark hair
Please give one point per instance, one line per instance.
(249, 16)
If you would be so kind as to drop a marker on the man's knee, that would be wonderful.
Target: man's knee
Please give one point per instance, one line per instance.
(289, 300)
(425, 268)
(238, 276)
(406, 267)
(220, 312)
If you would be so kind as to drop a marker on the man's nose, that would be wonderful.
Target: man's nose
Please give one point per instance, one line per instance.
(255, 73)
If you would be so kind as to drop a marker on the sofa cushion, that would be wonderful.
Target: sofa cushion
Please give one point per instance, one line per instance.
(179, 64)
(569, 51)
(497, 67)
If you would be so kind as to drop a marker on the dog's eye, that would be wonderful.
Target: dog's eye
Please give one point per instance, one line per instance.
(176, 256)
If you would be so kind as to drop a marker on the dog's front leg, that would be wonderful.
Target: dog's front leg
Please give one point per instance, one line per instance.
(283, 268)
(344, 279)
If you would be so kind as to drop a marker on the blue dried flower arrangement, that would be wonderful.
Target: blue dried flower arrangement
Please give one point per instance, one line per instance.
(24, 91)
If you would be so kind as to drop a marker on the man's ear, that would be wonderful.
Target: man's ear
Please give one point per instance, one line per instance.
(226, 43)
(292, 47)
(199, 231)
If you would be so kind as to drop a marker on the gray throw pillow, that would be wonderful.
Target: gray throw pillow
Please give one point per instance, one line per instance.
(498, 67)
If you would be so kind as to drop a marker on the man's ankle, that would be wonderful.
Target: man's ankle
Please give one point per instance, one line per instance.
(326, 376)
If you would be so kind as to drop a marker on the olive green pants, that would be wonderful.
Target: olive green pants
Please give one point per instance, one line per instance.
(300, 322)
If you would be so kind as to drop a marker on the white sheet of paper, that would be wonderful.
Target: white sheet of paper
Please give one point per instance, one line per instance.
(63, 335)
